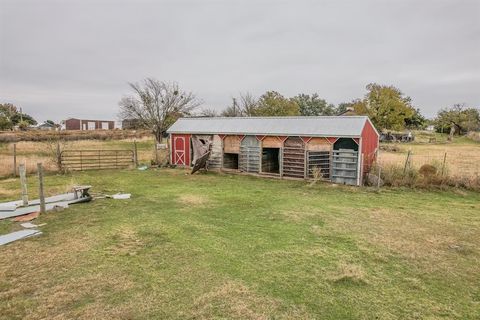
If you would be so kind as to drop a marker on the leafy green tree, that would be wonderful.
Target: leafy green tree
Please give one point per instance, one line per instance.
(23, 117)
(457, 119)
(386, 106)
(10, 117)
(342, 107)
(273, 103)
(313, 105)
(416, 121)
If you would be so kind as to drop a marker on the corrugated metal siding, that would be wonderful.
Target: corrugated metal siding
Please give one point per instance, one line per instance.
(250, 155)
(215, 159)
(331, 126)
(369, 146)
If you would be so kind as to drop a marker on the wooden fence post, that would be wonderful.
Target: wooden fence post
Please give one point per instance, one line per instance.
(40, 188)
(379, 176)
(135, 152)
(444, 162)
(23, 182)
(407, 162)
(59, 157)
(14, 160)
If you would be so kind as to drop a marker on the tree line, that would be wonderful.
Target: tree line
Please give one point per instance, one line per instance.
(157, 104)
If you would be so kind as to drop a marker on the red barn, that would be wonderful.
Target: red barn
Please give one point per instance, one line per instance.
(340, 149)
(79, 124)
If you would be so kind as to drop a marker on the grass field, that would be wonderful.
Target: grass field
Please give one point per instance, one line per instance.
(231, 246)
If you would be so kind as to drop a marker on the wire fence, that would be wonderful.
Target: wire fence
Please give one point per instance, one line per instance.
(452, 163)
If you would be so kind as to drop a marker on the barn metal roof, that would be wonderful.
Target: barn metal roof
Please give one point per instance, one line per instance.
(323, 126)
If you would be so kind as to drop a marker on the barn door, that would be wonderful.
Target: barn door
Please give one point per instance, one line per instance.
(179, 146)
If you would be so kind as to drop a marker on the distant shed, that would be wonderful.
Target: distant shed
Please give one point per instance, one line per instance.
(340, 148)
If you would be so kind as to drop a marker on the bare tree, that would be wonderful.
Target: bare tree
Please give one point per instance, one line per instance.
(157, 104)
(209, 113)
(244, 106)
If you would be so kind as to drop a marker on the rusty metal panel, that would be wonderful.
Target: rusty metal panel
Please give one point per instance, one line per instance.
(294, 158)
(272, 142)
(319, 144)
(231, 144)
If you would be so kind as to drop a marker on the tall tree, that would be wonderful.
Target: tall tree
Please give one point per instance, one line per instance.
(386, 106)
(313, 105)
(458, 119)
(157, 104)
(273, 103)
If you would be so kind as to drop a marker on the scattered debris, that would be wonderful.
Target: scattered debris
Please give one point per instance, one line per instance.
(17, 235)
(142, 168)
(201, 146)
(30, 225)
(79, 194)
(27, 217)
(121, 196)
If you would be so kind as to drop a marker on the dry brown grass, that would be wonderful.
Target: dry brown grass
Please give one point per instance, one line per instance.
(37, 135)
(193, 200)
(239, 302)
(461, 160)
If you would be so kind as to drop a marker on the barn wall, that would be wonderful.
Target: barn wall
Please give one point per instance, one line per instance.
(319, 144)
(215, 160)
(181, 149)
(72, 124)
(369, 145)
(272, 142)
(231, 144)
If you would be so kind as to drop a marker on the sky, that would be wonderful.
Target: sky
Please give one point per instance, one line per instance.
(61, 59)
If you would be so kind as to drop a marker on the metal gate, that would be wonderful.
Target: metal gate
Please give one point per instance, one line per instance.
(96, 159)
(345, 166)
(320, 160)
(294, 158)
(249, 160)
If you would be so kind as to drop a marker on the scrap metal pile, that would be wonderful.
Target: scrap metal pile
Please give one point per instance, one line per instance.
(20, 211)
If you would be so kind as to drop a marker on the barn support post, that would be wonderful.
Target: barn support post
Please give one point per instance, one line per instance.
(360, 163)
(281, 161)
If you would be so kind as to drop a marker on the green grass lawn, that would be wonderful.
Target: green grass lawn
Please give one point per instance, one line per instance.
(231, 246)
